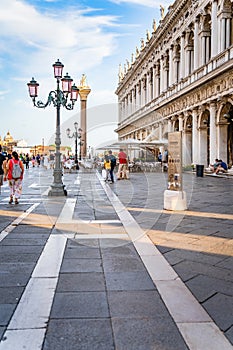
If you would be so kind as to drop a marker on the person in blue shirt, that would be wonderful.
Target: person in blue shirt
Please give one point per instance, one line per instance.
(221, 167)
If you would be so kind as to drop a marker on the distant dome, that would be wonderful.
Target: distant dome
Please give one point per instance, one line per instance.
(8, 137)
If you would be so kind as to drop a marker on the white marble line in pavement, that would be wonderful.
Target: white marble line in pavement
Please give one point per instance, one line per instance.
(27, 327)
(195, 325)
(17, 221)
(99, 236)
(66, 215)
(35, 185)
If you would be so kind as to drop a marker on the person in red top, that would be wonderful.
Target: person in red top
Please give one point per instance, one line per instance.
(123, 172)
(15, 183)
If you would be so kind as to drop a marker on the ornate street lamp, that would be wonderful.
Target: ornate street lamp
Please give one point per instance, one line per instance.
(58, 98)
(77, 135)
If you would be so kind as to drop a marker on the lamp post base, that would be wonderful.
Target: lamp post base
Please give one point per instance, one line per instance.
(57, 190)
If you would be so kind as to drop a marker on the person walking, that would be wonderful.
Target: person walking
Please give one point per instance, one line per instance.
(2, 159)
(14, 175)
(38, 159)
(123, 172)
(27, 160)
(113, 164)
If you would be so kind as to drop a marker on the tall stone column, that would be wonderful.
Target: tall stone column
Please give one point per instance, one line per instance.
(196, 44)
(228, 32)
(138, 91)
(203, 49)
(213, 132)
(214, 29)
(84, 91)
(148, 98)
(182, 56)
(154, 94)
(223, 34)
(171, 67)
(157, 80)
(161, 75)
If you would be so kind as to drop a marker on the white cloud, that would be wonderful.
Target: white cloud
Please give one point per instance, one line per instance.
(148, 3)
(45, 36)
(85, 41)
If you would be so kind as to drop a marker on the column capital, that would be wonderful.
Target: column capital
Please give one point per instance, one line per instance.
(83, 93)
(213, 104)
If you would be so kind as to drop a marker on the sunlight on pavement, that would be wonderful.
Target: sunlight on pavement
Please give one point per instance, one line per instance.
(192, 242)
(184, 212)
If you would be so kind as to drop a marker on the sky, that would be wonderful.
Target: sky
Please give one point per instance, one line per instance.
(90, 37)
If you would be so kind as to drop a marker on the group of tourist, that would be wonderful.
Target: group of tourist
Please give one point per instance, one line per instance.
(110, 162)
(12, 169)
(218, 166)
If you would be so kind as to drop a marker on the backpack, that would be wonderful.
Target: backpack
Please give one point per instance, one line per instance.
(16, 170)
(113, 161)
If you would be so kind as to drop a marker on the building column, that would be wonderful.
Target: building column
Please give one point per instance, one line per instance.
(169, 125)
(228, 32)
(154, 94)
(137, 97)
(157, 80)
(214, 29)
(213, 132)
(219, 35)
(161, 75)
(144, 90)
(195, 143)
(207, 48)
(203, 49)
(182, 56)
(223, 34)
(148, 89)
(171, 68)
(181, 122)
(151, 84)
(134, 98)
(142, 98)
(130, 102)
(196, 45)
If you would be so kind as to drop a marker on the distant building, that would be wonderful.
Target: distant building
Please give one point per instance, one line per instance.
(8, 142)
(181, 79)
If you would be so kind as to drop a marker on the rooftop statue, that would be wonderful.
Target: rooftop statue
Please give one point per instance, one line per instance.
(162, 11)
(142, 44)
(147, 35)
(154, 25)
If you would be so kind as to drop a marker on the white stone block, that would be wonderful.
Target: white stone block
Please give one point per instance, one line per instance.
(175, 200)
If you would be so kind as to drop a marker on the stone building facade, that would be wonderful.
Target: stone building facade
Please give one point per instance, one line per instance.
(181, 79)
(8, 142)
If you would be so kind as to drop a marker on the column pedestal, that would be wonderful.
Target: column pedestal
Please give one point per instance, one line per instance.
(175, 200)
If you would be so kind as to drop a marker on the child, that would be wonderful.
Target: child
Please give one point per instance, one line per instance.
(107, 166)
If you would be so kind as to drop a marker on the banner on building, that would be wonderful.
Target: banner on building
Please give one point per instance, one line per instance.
(175, 161)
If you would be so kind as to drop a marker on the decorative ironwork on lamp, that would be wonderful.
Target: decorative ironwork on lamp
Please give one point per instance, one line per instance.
(65, 97)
